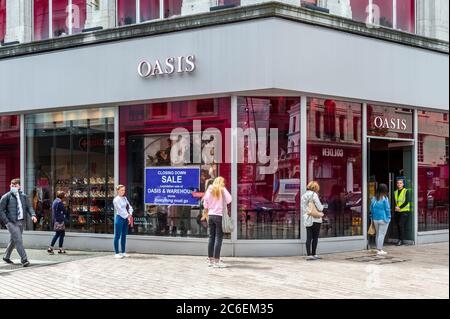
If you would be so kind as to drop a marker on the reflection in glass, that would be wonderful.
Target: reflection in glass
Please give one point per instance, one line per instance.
(334, 161)
(145, 143)
(268, 203)
(433, 155)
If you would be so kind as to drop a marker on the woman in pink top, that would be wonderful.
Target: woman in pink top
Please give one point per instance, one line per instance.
(214, 200)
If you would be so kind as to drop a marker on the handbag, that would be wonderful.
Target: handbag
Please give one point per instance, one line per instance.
(227, 223)
(372, 231)
(312, 210)
(59, 226)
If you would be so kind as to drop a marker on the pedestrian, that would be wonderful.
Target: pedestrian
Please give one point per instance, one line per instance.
(402, 198)
(122, 220)
(13, 207)
(216, 200)
(381, 215)
(312, 220)
(59, 213)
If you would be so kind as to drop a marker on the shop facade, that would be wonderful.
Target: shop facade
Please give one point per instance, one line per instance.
(235, 100)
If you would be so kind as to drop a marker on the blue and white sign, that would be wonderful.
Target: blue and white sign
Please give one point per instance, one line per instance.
(171, 185)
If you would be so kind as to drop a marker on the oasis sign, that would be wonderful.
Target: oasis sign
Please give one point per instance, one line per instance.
(171, 65)
(390, 123)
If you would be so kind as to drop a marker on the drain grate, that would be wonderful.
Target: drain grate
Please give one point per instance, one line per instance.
(380, 260)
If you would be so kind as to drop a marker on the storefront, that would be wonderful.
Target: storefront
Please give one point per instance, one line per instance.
(164, 114)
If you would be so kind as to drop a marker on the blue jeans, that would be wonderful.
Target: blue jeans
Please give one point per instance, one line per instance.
(381, 227)
(120, 231)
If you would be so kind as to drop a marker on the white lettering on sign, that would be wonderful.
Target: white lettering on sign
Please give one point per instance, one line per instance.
(390, 123)
(333, 152)
(182, 64)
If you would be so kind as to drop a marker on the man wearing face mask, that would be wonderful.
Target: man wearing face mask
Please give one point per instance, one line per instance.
(13, 207)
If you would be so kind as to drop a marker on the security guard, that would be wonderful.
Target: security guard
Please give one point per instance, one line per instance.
(402, 209)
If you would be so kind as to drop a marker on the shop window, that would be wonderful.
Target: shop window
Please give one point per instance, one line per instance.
(72, 151)
(405, 11)
(433, 183)
(9, 151)
(268, 190)
(126, 12)
(149, 10)
(146, 148)
(336, 166)
(172, 8)
(66, 19)
(2, 20)
(329, 115)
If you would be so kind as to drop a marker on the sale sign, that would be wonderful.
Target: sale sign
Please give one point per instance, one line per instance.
(172, 186)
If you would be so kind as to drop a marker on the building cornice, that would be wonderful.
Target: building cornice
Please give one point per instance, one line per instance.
(233, 15)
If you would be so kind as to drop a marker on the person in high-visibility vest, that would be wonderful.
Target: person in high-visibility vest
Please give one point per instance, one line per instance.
(402, 209)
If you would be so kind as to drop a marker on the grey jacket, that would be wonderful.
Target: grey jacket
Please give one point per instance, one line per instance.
(311, 196)
(9, 211)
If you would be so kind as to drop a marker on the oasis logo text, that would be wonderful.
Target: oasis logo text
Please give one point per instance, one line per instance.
(391, 123)
(180, 64)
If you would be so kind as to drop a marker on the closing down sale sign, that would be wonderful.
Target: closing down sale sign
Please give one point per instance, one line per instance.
(171, 186)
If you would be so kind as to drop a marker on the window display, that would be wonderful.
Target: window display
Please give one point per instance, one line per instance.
(170, 172)
(268, 202)
(433, 150)
(334, 161)
(72, 151)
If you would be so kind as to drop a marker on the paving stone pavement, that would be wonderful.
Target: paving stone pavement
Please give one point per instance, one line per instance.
(407, 272)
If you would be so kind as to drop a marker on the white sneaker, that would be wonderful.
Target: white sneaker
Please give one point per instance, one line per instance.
(118, 256)
(124, 255)
(317, 257)
(381, 252)
(220, 264)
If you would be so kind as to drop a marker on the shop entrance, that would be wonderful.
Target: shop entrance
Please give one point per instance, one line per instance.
(387, 161)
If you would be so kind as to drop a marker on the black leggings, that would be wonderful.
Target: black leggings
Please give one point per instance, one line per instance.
(312, 238)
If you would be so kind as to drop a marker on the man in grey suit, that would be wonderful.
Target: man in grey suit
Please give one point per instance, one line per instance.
(13, 207)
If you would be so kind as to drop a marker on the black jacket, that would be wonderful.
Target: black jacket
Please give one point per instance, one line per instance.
(8, 207)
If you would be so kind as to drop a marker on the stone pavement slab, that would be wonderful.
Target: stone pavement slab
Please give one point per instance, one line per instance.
(417, 272)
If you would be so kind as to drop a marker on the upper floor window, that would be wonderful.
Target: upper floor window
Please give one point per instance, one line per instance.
(54, 18)
(2, 20)
(397, 14)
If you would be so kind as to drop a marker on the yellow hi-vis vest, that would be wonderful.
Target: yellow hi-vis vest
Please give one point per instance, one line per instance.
(400, 199)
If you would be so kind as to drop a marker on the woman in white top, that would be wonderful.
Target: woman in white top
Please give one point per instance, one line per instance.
(312, 224)
(124, 211)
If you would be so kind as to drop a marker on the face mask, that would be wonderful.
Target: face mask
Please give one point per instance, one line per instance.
(14, 190)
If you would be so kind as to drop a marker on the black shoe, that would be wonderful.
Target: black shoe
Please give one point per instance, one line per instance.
(399, 243)
(26, 263)
(7, 260)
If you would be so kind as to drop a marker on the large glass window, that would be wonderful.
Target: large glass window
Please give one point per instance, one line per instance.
(334, 161)
(433, 171)
(2, 20)
(150, 148)
(9, 150)
(72, 151)
(269, 168)
(65, 18)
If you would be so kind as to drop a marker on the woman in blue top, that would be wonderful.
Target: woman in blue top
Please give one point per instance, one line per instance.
(59, 213)
(381, 215)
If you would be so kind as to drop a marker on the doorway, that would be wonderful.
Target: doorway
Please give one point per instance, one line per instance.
(387, 161)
